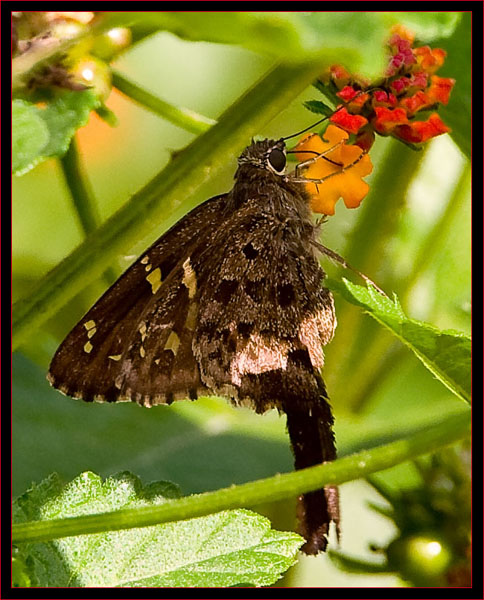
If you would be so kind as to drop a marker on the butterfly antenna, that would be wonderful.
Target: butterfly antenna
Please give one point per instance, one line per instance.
(341, 261)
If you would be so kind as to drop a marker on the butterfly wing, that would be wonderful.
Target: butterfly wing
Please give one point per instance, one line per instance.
(262, 308)
(264, 317)
(135, 344)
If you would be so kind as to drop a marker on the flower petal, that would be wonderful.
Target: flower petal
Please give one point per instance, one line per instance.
(348, 122)
(337, 184)
(416, 102)
(440, 88)
(421, 131)
(387, 119)
(429, 59)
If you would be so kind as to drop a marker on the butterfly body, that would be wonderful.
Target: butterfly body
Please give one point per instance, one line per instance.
(228, 302)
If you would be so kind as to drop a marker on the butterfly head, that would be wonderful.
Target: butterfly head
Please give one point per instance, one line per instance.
(269, 155)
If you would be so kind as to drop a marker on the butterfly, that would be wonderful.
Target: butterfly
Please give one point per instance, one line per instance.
(229, 302)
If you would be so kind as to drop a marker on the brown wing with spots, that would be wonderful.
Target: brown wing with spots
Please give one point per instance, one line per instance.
(262, 308)
(135, 344)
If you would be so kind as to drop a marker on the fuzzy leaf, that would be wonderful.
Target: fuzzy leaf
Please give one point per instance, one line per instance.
(219, 550)
(29, 135)
(446, 353)
(41, 133)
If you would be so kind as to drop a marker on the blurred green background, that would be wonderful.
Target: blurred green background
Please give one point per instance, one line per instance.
(411, 236)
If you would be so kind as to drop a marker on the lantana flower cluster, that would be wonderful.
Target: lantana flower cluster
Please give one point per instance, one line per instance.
(392, 107)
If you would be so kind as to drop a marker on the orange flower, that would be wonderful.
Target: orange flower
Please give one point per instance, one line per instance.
(389, 106)
(440, 88)
(338, 183)
(354, 98)
(339, 75)
(365, 138)
(429, 59)
(403, 32)
(350, 123)
(416, 102)
(387, 119)
(421, 131)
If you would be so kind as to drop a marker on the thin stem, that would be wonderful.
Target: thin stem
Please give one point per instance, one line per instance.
(82, 195)
(183, 117)
(80, 189)
(366, 385)
(367, 250)
(432, 243)
(278, 487)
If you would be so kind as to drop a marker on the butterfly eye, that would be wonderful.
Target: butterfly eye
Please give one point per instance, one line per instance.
(277, 160)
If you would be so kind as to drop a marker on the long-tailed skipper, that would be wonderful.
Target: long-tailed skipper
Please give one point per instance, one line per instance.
(229, 302)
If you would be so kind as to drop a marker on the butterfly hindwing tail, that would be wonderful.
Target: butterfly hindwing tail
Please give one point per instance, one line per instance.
(312, 439)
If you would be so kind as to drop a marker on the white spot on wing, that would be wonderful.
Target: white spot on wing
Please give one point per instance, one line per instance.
(189, 278)
(259, 355)
(316, 331)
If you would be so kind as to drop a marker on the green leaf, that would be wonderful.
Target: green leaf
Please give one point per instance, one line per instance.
(446, 353)
(20, 576)
(316, 106)
(219, 550)
(41, 133)
(29, 135)
(354, 39)
(428, 26)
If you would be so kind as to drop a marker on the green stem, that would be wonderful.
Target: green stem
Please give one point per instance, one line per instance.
(355, 565)
(432, 243)
(271, 489)
(82, 196)
(367, 250)
(163, 195)
(81, 193)
(183, 117)
(368, 244)
(366, 384)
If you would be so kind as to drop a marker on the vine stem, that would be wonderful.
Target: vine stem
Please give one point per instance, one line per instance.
(277, 487)
(182, 117)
